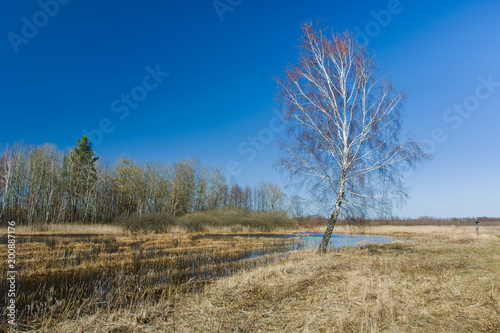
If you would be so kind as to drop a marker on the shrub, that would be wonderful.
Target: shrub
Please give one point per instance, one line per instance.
(236, 221)
(147, 222)
(196, 222)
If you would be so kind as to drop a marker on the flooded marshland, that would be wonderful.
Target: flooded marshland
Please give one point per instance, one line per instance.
(66, 274)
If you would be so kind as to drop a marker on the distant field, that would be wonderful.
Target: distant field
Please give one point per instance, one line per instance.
(444, 279)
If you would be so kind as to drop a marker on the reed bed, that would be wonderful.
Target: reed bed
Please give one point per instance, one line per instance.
(444, 280)
(65, 275)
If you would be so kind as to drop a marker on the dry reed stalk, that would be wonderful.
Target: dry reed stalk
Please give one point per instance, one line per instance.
(446, 280)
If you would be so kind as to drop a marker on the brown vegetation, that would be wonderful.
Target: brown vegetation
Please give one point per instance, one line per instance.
(72, 270)
(446, 279)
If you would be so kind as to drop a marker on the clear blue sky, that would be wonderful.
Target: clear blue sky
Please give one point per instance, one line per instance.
(69, 67)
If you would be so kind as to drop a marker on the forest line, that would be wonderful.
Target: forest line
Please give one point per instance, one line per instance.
(41, 184)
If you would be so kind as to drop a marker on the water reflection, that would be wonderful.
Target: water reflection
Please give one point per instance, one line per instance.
(111, 269)
(307, 241)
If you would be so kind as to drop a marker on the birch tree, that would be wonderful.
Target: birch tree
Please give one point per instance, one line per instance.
(343, 119)
(217, 190)
(14, 182)
(6, 182)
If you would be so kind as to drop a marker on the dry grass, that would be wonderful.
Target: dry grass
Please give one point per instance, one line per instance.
(35, 229)
(421, 231)
(446, 280)
(64, 274)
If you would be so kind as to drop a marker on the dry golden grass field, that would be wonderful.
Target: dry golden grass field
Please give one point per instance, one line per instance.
(443, 279)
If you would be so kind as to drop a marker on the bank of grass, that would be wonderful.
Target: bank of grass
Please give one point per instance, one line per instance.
(227, 220)
(445, 280)
(65, 228)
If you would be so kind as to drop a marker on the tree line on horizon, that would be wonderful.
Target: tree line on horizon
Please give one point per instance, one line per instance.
(41, 184)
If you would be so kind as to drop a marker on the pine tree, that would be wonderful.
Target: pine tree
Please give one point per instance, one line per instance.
(80, 175)
(86, 156)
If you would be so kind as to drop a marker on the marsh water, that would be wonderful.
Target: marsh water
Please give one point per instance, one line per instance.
(69, 270)
(308, 241)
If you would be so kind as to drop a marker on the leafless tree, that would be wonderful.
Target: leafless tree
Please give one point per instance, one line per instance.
(343, 121)
(295, 207)
(39, 184)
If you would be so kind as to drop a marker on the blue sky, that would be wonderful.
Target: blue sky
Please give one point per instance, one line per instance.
(68, 67)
